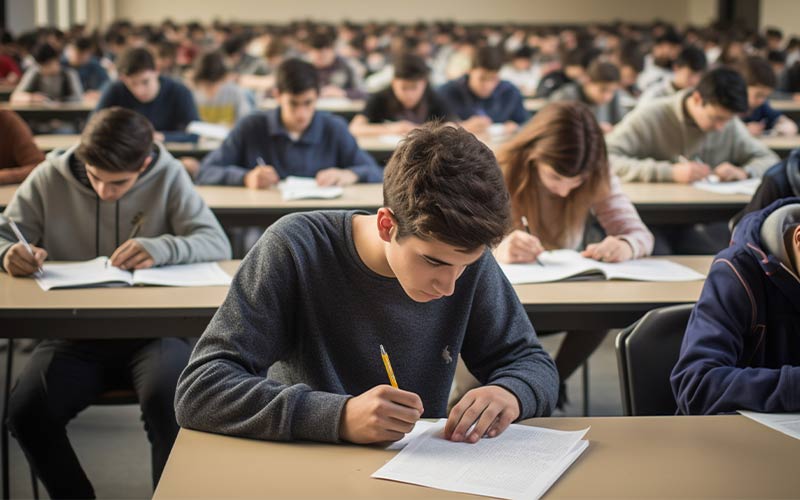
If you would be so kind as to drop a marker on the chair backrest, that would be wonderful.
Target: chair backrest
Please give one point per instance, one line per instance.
(646, 353)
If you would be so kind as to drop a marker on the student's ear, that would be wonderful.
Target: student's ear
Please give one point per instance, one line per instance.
(386, 223)
(696, 98)
(145, 164)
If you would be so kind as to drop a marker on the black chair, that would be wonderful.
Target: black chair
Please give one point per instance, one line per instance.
(646, 353)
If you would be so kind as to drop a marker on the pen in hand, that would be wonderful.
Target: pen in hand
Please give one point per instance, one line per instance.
(388, 365)
(528, 230)
(20, 237)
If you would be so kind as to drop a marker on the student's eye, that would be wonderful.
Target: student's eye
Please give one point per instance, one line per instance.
(430, 262)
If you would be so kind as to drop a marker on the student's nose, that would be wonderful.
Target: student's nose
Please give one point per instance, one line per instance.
(446, 284)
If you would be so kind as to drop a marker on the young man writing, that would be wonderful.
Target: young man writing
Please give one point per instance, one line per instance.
(122, 180)
(293, 353)
(741, 350)
(292, 139)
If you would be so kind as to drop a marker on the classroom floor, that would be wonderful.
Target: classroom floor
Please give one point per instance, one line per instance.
(113, 449)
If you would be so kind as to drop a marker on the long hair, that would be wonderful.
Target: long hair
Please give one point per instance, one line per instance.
(566, 137)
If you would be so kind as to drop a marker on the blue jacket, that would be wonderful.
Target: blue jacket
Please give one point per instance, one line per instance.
(325, 143)
(765, 113)
(742, 344)
(170, 112)
(504, 104)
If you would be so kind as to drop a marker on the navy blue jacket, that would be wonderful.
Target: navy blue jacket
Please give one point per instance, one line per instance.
(325, 143)
(504, 104)
(782, 180)
(92, 74)
(765, 113)
(170, 112)
(742, 344)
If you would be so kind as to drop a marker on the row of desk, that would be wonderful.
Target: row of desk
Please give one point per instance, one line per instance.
(657, 203)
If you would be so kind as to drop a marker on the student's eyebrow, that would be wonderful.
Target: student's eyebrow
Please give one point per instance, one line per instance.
(444, 263)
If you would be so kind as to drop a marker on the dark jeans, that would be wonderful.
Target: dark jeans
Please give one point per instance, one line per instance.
(63, 377)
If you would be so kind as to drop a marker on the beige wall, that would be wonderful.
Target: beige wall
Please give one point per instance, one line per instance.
(785, 14)
(701, 12)
(536, 11)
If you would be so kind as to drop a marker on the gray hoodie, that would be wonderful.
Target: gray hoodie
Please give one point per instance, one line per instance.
(55, 211)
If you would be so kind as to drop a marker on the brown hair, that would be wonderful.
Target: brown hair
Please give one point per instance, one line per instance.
(565, 136)
(443, 183)
(116, 140)
(603, 72)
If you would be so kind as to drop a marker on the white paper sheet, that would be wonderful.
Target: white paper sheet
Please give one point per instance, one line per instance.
(209, 130)
(200, 274)
(559, 265)
(787, 423)
(95, 273)
(419, 428)
(302, 188)
(523, 462)
(747, 186)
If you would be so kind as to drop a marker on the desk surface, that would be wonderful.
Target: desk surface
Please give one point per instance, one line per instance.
(628, 457)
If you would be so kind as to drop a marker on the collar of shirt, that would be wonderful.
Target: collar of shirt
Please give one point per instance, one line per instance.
(311, 135)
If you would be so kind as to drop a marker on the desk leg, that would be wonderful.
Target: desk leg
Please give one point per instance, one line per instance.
(6, 393)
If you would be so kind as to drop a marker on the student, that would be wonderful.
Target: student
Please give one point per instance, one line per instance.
(218, 99)
(480, 98)
(292, 139)
(782, 180)
(658, 62)
(600, 91)
(573, 69)
(337, 78)
(690, 135)
(78, 55)
(761, 117)
(47, 80)
(239, 61)
(741, 350)
(115, 173)
(405, 104)
(294, 351)
(687, 70)
(521, 71)
(18, 153)
(557, 172)
(167, 103)
(166, 60)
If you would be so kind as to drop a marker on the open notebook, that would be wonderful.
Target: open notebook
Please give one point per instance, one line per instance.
(560, 265)
(301, 188)
(96, 273)
(747, 186)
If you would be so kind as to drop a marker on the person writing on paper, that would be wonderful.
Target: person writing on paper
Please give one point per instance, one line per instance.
(741, 350)
(292, 139)
(762, 118)
(408, 102)
(687, 137)
(78, 205)
(293, 353)
(556, 169)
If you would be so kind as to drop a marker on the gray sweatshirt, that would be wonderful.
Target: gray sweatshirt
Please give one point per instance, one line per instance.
(643, 147)
(300, 329)
(57, 212)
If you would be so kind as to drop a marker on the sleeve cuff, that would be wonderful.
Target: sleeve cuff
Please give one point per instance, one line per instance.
(318, 417)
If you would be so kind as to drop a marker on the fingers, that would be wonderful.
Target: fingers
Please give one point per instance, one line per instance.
(19, 262)
(131, 255)
(404, 398)
(462, 416)
(122, 253)
(611, 249)
(523, 247)
(326, 177)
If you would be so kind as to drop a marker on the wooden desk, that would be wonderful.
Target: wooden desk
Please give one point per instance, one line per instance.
(26, 311)
(670, 203)
(534, 104)
(67, 111)
(782, 145)
(628, 457)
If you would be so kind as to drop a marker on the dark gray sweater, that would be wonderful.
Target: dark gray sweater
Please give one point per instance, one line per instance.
(305, 306)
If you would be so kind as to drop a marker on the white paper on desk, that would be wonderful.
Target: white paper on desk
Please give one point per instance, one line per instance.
(200, 274)
(746, 186)
(210, 130)
(419, 428)
(390, 139)
(559, 265)
(787, 423)
(523, 462)
(302, 188)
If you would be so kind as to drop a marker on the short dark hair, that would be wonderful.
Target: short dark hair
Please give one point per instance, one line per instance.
(410, 67)
(603, 72)
(758, 71)
(296, 76)
(724, 87)
(443, 183)
(210, 67)
(44, 53)
(320, 41)
(488, 58)
(234, 45)
(134, 61)
(774, 33)
(671, 37)
(693, 58)
(524, 52)
(83, 44)
(116, 140)
(167, 49)
(776, 56)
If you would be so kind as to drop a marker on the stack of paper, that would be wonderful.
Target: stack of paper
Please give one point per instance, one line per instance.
(559, 265)
(523, 462)
(747, 186)
(97, 272)
(301, 188)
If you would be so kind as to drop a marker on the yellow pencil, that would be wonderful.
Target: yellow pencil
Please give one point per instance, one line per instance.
(388, 365)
